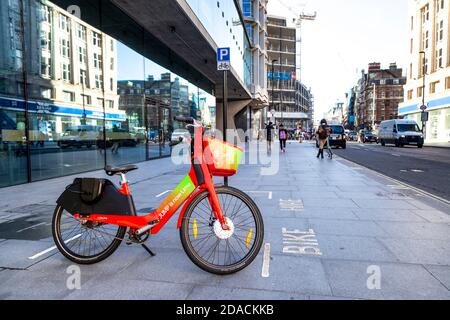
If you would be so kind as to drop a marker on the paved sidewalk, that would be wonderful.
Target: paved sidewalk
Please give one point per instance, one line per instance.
(332, 226)
(438, 145)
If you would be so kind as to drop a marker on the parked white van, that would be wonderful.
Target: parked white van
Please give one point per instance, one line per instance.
(400, 133)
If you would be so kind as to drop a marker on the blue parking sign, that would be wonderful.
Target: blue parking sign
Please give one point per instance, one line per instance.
(223, 54)
(223, 59)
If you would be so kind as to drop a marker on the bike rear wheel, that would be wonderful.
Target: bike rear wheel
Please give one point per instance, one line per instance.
(84, 242)
(213, 249)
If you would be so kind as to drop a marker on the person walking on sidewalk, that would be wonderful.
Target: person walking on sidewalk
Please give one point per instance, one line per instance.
(283, 134)
(323, 133)
(269, 132)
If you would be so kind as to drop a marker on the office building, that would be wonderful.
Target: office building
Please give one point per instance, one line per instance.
(429, 61)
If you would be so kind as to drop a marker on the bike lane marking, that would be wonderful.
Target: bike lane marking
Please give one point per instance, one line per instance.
(300, 242)
(269, 193)
(266, 261)
(36, 225)
(37, 255)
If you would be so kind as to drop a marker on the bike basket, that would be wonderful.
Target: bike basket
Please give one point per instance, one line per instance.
(222, 158)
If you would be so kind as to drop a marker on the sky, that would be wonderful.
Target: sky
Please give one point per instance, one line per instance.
(346, 36)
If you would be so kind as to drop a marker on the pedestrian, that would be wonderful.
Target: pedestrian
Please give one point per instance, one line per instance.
(282, 134)
(269, 136)
(322, 134)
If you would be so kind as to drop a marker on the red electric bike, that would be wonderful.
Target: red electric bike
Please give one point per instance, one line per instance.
(221, 228)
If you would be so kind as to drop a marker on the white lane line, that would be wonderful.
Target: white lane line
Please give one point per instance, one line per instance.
(161, 194)
(266, 261)
(37, 255)
(395, 155)
(36, 225)
(269, 193)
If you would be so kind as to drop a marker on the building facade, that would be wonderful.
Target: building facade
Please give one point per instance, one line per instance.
(379, 93)
(75, 90)
(252, 118)
(429, 55)
(289, 99)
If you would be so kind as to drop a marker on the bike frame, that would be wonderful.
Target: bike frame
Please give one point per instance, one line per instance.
(197, 181)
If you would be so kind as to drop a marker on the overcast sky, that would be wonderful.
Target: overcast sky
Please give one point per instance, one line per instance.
(346, 36)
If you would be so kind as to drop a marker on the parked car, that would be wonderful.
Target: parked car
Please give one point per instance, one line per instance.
(352, 136)
(79, 136)
(400, 133)
(118, 136)
(180, 133)
(337, 137)
(367, 136)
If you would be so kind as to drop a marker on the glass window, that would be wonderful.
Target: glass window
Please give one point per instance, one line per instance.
(96, 39)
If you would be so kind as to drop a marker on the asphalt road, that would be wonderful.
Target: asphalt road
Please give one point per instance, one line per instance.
(427, 169)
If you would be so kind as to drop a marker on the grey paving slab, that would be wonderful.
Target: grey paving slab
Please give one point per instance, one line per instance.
(433, 215)
(16, 253)
(333, 203)
(383, 204)
(372, 189)
(441, 273)
(398, 281)
(433, 252)
(220, 293)
(422, 205)
(302, 275)
(110, 288)
(421, 231)
(362, 195)
(327, 213)
(18, 285)
(329, 195)
(329, 298)
(346, 228)
(354, 248)
(388, 215)
(169, 265)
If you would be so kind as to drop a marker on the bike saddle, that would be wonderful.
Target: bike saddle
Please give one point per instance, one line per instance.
(110, 171)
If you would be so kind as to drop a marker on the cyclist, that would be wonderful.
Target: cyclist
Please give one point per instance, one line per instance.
(323, 133)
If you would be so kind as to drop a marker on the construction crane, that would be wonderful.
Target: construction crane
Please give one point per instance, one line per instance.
(298, 24)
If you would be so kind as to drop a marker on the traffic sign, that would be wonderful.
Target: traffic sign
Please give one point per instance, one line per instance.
(423, 107)
(223, 59)
(424, 116)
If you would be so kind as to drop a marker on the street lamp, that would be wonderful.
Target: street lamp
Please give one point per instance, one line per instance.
(273, 83)
(424, 72)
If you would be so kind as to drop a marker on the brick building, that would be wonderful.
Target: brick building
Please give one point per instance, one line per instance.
(379, 92)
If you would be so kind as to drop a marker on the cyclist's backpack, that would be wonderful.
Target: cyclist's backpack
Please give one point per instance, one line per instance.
(282, 135)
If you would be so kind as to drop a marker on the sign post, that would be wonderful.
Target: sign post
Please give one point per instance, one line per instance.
(224, 64)
(424, 117)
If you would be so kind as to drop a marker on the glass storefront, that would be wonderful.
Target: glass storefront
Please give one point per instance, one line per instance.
(73, 98)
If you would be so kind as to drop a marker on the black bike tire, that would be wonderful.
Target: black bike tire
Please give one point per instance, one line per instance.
(79, 259)
(243, 263)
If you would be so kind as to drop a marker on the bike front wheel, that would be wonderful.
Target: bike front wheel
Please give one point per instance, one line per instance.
(216, 250)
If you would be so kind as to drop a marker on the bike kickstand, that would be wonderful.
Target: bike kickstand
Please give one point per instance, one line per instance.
(148, 250)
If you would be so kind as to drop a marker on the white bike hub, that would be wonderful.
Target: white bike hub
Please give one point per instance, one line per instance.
(223, 234)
